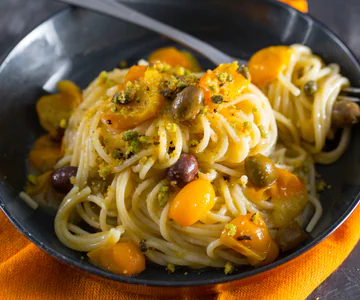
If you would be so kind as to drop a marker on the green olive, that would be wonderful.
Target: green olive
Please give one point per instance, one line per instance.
(260, 170)
(310, 88)
(345, 113)
(188, 103)
(290, 236)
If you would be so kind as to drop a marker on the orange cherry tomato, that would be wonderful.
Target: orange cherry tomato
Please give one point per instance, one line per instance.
(300, 5)
(149, 105)
(266, 64)
(124, 258)
(175, 58)
(52, 109)
(135, 73)
(45, 153)
(192, 202)
(225, 80)
(288, 194)
(249, 236)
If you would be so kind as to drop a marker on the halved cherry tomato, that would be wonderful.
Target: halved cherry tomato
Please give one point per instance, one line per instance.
(175, 58)
(225, 81)
(192, 202)
(52, 109)
(266, 64)
(249, 236)
(300, 5)
(124, 258)
(45, 153)
(148, 106)
(288, 194)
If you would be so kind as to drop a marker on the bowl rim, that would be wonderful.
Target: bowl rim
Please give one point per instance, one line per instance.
(190, 283)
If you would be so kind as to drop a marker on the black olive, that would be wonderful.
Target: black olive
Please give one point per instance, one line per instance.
(188, 103)
(290, 236)
(60, 179)
(310, 88)
(260, 170)
(345, 113)
(183, 171)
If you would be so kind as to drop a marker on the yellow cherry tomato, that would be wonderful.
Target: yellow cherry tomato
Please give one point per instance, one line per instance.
(249, 236)
(266, 64)
(192, 202)
(288, 194)
(225, 81)
(124, 258)
(147, 106)
(45, 153)
(52, 109)
(175, 58)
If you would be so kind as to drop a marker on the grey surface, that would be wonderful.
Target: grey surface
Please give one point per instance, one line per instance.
(17, 17)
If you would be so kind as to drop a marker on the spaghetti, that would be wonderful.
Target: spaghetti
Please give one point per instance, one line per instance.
(176, 164)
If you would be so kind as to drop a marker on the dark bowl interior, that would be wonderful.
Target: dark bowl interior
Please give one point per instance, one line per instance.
(77, 44)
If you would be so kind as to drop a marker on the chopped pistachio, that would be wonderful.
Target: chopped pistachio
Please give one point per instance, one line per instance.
(134, 147)
(73, 180)
(170, 268)
(222, 77)
(217, 99)
(231, 229)
(320, 186)
(103, 172)
(143, 160)
(103, 77)
(143, 139)
(117, 154)
(180, 71)
(229, 78)
(194, 143)
(263, 132)
(113, 109)
(32, 179)
(247, 124)
(63, 123)
(244, 71)
(163, 195)
(137, 99)
(171, 127)
(129, 135)
(229, 268)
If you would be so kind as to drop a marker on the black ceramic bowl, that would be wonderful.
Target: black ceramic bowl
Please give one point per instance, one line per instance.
(78, 44)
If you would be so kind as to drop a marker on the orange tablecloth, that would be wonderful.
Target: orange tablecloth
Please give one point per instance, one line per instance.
(26, 272)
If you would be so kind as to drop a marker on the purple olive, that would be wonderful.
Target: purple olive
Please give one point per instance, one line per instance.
(183, 171)
(60, 179)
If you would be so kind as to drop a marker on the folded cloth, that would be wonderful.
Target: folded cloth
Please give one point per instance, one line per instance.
(26, 272)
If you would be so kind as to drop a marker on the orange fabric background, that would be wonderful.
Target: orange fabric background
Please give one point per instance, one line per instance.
(26, 272)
